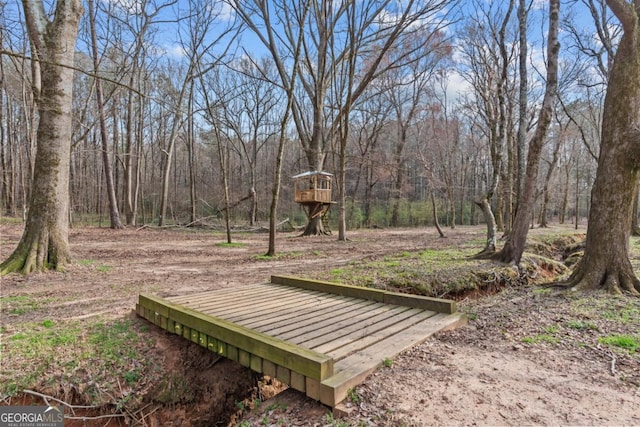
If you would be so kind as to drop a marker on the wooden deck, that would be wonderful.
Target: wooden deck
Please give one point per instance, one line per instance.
(318, 337)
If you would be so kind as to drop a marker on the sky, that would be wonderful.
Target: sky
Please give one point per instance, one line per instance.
(167, 36)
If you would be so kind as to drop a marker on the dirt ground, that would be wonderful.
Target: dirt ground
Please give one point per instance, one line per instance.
(492, 372)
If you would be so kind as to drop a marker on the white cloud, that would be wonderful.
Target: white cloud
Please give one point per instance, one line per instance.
(175, 51)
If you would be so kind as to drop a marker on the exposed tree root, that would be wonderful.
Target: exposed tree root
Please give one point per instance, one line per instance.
(614, 279)
(487, 253)
(38, 253)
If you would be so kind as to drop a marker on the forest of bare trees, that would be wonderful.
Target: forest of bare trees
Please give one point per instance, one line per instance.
(418, 108)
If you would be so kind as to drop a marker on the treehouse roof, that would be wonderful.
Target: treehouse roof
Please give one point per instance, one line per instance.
(312, 173)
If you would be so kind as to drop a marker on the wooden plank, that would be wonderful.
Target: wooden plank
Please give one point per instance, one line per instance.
(212, 344)
(418, 301)
(354, 369)
(308, 363)
(244, 358)
(313, 388)
(261, 307)
(153, 305)
(346, 331)
(298, 381)
(434, 304)
(269, 368)
(179, 299)
(313, 317)
(283, 374)
(233, 353)
(239, 300)
(256, 363)
(322, 286)
(203, 340)
(278, 310)
(222, 349)
(350, 321)
(346, 345)
(243, 303)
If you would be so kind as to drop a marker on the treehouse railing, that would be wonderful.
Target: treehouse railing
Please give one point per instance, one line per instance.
(313, 195)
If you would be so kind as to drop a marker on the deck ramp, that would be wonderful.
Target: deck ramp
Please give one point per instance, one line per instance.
(318, 337)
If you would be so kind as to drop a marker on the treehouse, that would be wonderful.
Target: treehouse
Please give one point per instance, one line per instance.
(313, 191)
(312, 187)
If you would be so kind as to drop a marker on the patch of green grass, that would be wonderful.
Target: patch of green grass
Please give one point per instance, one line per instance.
(48, 323)
(100, 268)
(353, 396)
(97, 357)
(330, 419)
(624, 315)
(471, 315)
(278, 256)
(630, 343)
(21, 304)
(387, 363)
(582, 325)
(230, 245)
(541, 338)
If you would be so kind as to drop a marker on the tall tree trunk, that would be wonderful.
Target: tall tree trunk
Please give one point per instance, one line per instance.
(128, 155)
(114, 214)
(514, 247)
(565, 195)
(635, 226)
(166, 165)
(45, 241)
(523, 91)
(547, 181)
(191, 154)
(605, 264)
(434, 210)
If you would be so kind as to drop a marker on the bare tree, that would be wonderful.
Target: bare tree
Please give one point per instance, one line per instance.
(197, 44)
(377, 28)
(114, 213)
(514, 246)
(487, 60)
(45, 241)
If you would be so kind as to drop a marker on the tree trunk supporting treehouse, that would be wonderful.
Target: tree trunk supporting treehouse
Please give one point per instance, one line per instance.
(316, 215)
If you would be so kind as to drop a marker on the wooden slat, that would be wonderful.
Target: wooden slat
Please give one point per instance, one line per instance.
(308, 363)
(347, 345)
(343, 325)
(239, 299)
(354, 369)
(270, 307)
(315, 318)
(263, 310)
(283, 310)
(416, 301)
(346, 331)
(179, 299)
